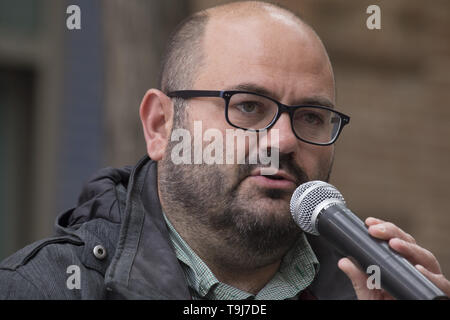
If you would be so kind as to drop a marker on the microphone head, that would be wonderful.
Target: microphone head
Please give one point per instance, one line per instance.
(309, 199)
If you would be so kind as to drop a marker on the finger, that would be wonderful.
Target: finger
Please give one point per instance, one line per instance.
(438, 279)
(356, 276)
(388, 230)
(415, 254)
(371, 221)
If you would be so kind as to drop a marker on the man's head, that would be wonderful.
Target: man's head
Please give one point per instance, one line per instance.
(257, 47)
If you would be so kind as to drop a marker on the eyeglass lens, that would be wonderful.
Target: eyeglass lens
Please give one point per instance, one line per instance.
(312, 124)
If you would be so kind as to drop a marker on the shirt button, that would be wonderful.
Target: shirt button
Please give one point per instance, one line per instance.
(99, 252)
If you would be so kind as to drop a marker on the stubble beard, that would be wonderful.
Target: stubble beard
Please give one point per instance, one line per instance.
(213, 212)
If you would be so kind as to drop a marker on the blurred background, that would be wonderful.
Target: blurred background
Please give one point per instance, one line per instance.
(69, 104)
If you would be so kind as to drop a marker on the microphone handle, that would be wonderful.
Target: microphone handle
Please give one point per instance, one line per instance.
(349, 235)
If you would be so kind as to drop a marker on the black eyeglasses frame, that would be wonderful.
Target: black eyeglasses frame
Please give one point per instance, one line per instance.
(282, 108)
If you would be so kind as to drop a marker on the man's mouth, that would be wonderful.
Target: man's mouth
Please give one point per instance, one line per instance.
(275, 177)
(280, 180)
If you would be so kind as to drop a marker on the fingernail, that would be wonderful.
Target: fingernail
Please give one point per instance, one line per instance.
(380, 228)
(373, 221)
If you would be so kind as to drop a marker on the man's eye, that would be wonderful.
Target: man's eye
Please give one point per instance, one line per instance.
(247, 107)
(311, 118)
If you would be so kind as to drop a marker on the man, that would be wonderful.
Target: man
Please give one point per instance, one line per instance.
(166, 230)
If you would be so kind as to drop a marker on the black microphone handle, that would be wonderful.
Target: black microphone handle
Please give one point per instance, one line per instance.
(349, 235)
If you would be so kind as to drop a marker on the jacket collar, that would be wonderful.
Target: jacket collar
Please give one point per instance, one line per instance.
(144, 264)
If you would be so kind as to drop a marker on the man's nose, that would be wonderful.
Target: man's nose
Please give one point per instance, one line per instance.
(287, 141)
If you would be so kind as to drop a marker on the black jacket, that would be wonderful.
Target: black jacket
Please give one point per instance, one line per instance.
(119, 210)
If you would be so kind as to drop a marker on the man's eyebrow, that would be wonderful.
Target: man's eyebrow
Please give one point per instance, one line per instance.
(312, 100)
(251, 87)
(317, 101)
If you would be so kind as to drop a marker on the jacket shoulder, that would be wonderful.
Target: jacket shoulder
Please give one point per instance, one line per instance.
(63, 267)
(24, 255)
(33, 272)
(69, 266)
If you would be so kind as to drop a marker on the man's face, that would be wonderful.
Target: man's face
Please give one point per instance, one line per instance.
(289, 63)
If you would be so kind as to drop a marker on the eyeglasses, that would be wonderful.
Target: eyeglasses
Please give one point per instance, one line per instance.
(318, 125)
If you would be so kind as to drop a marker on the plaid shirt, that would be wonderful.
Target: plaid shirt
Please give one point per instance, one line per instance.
(297, 271)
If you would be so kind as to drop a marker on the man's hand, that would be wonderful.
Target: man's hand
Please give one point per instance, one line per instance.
(405, 245)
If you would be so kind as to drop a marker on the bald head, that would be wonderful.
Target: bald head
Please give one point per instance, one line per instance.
(199, 40)
(184, 53)
(248, 8)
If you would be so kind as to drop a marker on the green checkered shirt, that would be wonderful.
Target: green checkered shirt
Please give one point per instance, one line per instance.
(297, 270)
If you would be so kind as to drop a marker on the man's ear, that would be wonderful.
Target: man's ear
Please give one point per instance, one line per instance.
(156, 114)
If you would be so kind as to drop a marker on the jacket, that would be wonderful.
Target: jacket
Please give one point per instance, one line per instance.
(116, 242)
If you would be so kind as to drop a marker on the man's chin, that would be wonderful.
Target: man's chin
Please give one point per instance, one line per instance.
(264, 225)
(265, 206)
(274, 197)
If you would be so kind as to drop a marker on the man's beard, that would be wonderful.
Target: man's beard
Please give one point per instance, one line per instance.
(214, 199)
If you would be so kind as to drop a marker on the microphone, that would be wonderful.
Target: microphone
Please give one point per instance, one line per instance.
(319, 209)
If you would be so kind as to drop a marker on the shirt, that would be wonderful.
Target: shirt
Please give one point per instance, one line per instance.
(296, 272)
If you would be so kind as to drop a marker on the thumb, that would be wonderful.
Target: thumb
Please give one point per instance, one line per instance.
(356, 276)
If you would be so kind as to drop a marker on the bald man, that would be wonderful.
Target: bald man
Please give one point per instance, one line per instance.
(202, 229)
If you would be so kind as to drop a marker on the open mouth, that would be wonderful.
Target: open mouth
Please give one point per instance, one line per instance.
(274, 177)
(279, 180)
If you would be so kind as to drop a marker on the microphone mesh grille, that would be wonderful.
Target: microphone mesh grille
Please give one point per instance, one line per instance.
(306, 198)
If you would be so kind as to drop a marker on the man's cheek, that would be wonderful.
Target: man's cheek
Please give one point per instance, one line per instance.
(323, 165)
(313, 163)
